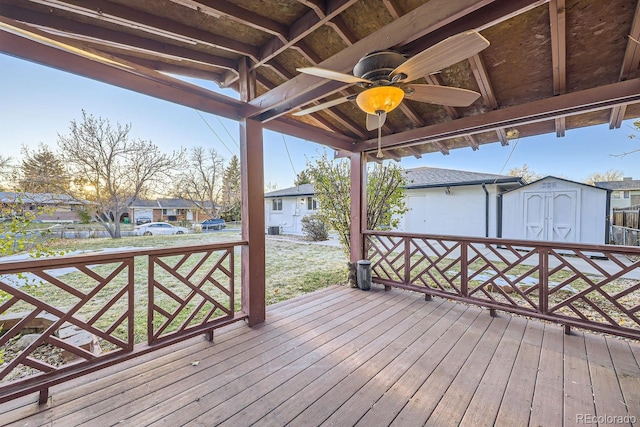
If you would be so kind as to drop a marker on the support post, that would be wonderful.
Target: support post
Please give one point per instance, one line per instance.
(358, 205)
(252, 185)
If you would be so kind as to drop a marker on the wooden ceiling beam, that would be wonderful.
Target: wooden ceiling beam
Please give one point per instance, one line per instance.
(181, 70)
(342, 29)
(629, 67)
(557, 17)
(415, 118)
(304, 88)
(480, 19)
(127, 17)
(588, 100)
(415, 152)
(488, 96)
(316, 5)
(435, 79)
(338, 116)
(80, 34)
(223, 9)
(304, 26)
(391, 8)
(138, 79)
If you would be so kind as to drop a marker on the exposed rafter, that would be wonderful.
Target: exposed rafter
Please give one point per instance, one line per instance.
(304, 89)
(629, 67)
(595, 99)
(486, 90)
(132, 19)
(557, 17)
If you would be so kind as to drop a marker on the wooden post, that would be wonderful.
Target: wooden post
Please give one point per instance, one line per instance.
(252, 185)
(358, 205)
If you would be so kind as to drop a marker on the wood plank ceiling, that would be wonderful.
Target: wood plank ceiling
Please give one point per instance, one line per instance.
(551, 66)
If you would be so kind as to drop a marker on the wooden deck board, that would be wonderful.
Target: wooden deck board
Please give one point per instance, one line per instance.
(484, 406)
(578, 393)
(628, 372)
(547, 408)
(515, 408)
(607, 395)
(461, 390)
(342, 356)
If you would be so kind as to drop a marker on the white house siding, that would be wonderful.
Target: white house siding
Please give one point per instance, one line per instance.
(461, 212)
(555, 210)
(289, 219)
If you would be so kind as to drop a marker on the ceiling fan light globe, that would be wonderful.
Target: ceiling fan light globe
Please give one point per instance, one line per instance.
(381, 98)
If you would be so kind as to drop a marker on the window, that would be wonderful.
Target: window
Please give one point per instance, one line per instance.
(312, 204)
(625, 195)
(276, 204)
(616, 195)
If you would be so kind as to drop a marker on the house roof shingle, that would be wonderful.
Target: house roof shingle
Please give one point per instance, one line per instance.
(628, 184)
(299, 190)
(422, 177)
(425, 177)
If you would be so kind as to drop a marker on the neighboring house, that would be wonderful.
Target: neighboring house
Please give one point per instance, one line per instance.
(558, 210)
(284, 209)
(47, 207)
(171, 210)
(624, 193)
(454, 202)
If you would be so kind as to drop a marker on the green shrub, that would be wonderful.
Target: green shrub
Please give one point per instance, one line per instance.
(315, 228)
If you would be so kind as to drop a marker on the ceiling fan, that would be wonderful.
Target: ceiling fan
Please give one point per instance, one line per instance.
(385, 76)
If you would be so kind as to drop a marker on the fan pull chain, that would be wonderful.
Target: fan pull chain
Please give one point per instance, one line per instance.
(379, 153)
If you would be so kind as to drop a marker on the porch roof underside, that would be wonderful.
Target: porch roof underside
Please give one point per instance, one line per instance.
(551, 66)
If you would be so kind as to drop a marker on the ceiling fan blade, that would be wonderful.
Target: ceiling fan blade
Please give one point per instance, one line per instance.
(325, 105)
(442, 55)
(333, 75)
(443, 95)
(375, 121)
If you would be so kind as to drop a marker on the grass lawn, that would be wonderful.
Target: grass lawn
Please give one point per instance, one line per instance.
(293, 267)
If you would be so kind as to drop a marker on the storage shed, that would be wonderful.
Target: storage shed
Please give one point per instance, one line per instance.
(558, 210)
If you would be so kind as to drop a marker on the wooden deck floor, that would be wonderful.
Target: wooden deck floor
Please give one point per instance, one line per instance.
(347, 357)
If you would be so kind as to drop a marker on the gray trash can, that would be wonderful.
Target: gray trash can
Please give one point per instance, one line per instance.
(363, 274)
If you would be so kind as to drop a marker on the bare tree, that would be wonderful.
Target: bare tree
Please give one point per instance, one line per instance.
(111, 170)
(525, 173)
(610, 175)
(6, 168)
(201, 183)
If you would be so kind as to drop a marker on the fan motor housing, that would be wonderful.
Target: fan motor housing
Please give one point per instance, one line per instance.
(378, 65)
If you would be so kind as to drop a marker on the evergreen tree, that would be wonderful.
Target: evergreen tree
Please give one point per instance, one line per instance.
(231, 193)
(42, 171)
(302, 178)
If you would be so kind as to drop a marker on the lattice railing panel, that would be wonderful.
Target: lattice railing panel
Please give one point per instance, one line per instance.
(601, 287)
(503, 275)
(433, 264)
(591, 286)
(387, 257)
(189, 291)
(50, 319)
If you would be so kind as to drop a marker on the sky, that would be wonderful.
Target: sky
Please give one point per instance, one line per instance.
(37, 103)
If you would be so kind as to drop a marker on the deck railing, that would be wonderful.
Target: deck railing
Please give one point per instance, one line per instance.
(590, 286)
(92, 311)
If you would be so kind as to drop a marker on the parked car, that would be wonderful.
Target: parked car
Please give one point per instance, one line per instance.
(158, 228)
(213, 224)
(143, 220)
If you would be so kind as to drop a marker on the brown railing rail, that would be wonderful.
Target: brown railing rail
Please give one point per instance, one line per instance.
(590, 286)
(86, 310)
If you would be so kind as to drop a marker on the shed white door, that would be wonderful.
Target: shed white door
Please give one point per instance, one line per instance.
(551, 216)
